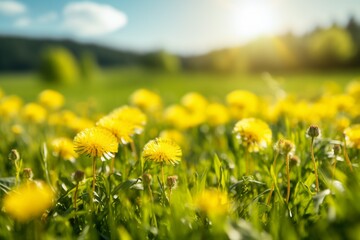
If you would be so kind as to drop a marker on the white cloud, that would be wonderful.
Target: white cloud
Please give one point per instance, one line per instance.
(92, 19)
(8, 7)
(43, 19)
(47, 17)
(22, 22)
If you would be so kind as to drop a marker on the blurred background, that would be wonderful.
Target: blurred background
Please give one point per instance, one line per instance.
(109, 48)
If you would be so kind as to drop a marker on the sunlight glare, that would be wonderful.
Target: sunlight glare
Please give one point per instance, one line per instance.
(255, 18)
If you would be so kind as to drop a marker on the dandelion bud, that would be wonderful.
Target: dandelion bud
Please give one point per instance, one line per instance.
(313, 131)
(14, 155)
(44, 217)
(337, 149)
(294, 161)
(78, 176)
(147, 179)
(27, 174)
(171, 181)
(284, 146)
(288, 146)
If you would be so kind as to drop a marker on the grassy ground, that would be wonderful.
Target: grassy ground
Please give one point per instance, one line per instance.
(114, 86)
(247, 179)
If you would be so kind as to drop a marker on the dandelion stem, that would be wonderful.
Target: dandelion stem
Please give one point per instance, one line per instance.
(288, 178)
(112, 165)
(17, 169)
(247, 162)
(94, 175)
(315, 167)
(75, 196)
(346, 156)
(170, 192)
(163, 176)
(334, 168)
(133, 150)
(151, 195)
(270, 194)
(274, 163)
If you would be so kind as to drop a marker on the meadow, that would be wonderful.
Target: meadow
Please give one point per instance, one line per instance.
(141, 154)
(114, 86)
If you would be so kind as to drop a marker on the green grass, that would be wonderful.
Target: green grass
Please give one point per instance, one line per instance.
(114, 86)
(128, 205)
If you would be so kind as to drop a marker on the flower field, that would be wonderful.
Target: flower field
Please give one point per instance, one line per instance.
(241, 166)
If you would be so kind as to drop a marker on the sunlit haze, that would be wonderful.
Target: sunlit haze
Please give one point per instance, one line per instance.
(185, 27)
(255, 18)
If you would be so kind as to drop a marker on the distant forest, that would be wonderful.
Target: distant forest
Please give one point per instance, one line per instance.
(323, 48)
(20, 53)
(334, 47)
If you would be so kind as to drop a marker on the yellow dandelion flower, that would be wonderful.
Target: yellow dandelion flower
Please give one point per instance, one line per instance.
(146, 100)
(195, 119)
(279, 109)
(331, 87)
(341, 102)
(213, 203)
(121, 129)
(242, 103)
(341, 123)
(67, 116)
(78, 124)
(353, 88)
(217, 114)
(194, 101)
(253, 133)
(355, 111)
(28, 201)
(174, 135)
(96, 142)
(63, 147)
(305, 112)
(62, 118)
(17, 129)
(34, 112)
(300, 112)
(352, 136)
(177, 116)
(131, 115)
(10, 106)
(51, 99)
(54, 119)
(162, 150)
(321, 111)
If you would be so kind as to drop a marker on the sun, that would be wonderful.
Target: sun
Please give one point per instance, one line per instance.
(252, 19)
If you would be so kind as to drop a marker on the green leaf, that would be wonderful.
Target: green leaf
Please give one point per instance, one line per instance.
(310, 180)
(202, 181)
(7, 181)
(44, 163)
(217, 167)
(224, 176)
(272, 174)
(125, 185)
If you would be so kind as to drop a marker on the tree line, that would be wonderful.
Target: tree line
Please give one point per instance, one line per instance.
(323, 48)
(333, 47)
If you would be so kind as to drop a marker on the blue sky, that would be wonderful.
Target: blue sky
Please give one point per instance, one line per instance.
(180, 26)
